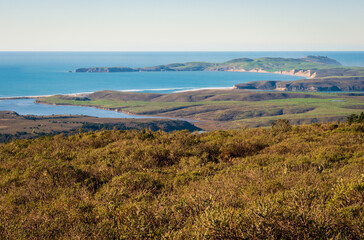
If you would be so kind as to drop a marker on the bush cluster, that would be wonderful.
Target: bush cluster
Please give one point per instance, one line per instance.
(289, 182)
(353, 118)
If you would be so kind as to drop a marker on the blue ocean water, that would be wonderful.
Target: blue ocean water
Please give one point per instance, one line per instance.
(45, 73)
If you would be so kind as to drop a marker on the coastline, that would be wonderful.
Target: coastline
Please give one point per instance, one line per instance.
(49, 95)
(84, 94)
(207, 88)
(185, 89)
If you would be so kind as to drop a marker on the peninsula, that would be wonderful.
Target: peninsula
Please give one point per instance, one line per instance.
(325, 74)
(310, 66)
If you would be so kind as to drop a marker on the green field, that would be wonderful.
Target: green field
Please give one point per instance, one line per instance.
(231, 108)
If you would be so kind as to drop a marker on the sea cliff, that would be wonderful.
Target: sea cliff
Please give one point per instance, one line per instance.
(309, 85)
(293, 72)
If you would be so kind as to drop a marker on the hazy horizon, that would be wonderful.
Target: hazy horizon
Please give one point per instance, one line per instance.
(171, 51)
(175, 26)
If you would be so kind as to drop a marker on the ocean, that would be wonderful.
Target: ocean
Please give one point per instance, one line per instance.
(47, 73)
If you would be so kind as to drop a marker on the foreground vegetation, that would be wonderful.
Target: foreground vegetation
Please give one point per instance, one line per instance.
(287, 182)
(222, 109)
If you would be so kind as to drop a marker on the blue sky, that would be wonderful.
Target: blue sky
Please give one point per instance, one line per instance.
(186, 25)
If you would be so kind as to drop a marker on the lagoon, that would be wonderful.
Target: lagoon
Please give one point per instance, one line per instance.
(28, 107)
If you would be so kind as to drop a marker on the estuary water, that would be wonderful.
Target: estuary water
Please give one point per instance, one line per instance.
(47, 73)
(28, 107)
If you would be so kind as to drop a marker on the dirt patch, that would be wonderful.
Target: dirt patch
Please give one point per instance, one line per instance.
(354, 107)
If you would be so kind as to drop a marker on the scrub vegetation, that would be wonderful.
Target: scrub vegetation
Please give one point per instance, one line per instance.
(282, 182)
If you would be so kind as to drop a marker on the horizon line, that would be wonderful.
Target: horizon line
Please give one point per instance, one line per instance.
(181, 51)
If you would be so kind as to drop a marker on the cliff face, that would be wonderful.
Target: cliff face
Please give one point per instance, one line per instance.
(302, 73)
(309, 85)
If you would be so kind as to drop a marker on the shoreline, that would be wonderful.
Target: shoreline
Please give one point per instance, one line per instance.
(120, 111)
(207, 88)
(83, 94)
(136, 116)
(49, 95)
(158, 89)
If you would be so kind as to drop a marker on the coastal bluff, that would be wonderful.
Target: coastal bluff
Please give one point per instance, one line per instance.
(308, 85)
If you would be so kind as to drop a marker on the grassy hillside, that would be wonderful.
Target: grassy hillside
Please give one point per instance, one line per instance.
(300, 182)
(226, 108)
(279, 64)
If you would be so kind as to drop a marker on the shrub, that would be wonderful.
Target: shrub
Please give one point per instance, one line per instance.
(281, 125)
(301, 182)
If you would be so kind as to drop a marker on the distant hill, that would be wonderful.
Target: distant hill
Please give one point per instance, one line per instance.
(323, 69)
(307, 66)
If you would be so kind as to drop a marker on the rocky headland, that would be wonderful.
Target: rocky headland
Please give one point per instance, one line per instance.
(305, 67)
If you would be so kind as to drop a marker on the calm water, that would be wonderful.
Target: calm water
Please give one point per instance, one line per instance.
(45, 73)
(28, 107)
(43, 83)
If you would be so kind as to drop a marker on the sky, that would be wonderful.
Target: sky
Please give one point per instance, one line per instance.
(181, 25)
